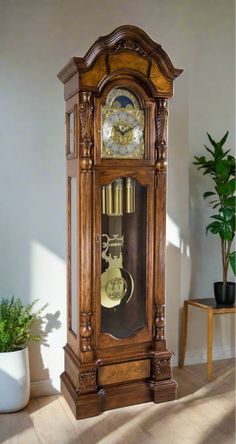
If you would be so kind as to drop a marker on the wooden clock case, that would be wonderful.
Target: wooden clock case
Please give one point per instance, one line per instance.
(103, 372)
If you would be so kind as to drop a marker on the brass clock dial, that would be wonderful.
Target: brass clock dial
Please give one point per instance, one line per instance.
(122, 126)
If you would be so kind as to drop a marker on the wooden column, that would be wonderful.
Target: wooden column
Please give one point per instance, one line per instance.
(160, 222)
(87, 372)
(161, 368)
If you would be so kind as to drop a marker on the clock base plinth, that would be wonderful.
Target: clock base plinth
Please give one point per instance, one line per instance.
(112, 397)
(83, 405)
(164, 391)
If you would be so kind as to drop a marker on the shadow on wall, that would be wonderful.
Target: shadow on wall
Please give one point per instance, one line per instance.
(45, 326)
(47, 283)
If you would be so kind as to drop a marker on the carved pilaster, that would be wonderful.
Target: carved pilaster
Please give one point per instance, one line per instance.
(86, 130)
(161, 134)
(161, 369)
(85, 332)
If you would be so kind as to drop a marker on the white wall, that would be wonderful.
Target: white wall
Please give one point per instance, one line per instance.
(37, 38)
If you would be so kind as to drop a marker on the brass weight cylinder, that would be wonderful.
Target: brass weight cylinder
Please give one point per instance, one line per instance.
(103, 200)
(130, 195)
(118, 197)
(112, 197)
(109, 200)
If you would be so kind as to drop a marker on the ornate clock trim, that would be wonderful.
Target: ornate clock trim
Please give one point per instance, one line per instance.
(161, 134)
(86, 130)
(85, 332)
(160, 322)
(126, 37)
(161, 369)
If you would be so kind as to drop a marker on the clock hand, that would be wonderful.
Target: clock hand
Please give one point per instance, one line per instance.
(130, 129)
(117, 128)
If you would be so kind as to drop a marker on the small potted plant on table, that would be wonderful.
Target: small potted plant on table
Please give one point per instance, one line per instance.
(220, 166)
(15, 333)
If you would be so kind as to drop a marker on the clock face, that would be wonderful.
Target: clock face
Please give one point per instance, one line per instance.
(122, 126)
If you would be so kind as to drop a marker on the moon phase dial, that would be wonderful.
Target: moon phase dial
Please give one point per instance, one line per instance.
(122, 126)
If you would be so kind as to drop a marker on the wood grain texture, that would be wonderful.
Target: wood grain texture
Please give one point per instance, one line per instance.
(124, 372)
(126, 38)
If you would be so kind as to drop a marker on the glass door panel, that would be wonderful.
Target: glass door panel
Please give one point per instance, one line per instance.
(123, 257)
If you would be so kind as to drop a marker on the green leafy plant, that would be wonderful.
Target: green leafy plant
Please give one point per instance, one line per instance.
(15, 324)
(221, 167)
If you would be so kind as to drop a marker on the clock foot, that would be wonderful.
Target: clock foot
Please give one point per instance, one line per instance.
(164, 391)
(82, 406)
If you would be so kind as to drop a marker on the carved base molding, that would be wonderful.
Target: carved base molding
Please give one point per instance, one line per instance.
(91, 389)
(112, 397)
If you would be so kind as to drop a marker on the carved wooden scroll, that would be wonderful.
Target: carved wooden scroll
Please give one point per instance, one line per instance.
(86, 130)
(130, 45)
(161, 134)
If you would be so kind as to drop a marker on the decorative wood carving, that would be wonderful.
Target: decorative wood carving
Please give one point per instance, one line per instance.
(85, 332)
(86, 132)
(124, 38)
(161, 134)
(161, 369)
(130, 45)
(160, 322)
(86, 118)
(161, 122)
(87, 380)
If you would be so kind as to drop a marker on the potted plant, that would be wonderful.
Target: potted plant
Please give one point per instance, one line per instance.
(15, 333)
(220, 166)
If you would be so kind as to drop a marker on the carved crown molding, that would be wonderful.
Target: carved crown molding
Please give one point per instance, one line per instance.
(126, 37)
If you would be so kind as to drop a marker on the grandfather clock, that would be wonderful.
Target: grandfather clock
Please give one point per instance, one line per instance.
(116, 142)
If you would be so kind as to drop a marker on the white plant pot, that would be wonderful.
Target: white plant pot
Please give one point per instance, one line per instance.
(14, 380)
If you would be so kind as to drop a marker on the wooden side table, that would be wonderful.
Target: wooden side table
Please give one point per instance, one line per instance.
(212, 310)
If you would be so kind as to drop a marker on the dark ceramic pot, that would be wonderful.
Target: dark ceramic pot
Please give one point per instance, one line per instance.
(224, 294)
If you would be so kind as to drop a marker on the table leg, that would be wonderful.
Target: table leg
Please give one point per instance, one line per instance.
(209, 343)
(184, 334)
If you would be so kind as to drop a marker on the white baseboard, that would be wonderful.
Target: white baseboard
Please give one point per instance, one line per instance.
(198, 357)
(42, 388)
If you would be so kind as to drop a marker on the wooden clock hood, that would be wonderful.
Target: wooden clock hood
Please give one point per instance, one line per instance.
(110, 56)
